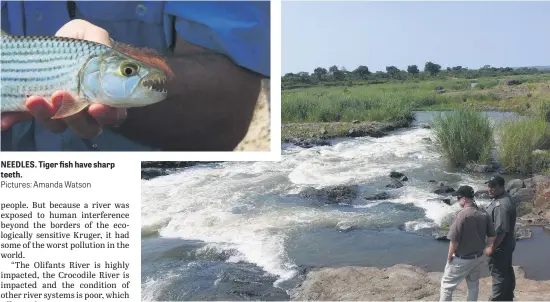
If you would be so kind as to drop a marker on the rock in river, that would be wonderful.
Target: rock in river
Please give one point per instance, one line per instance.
(443, 189)
(333, 194)
(396, 184)
(379, 196)
(514, 184)
(150, 173)
(482, 194)
(395, 174)
(523, 195)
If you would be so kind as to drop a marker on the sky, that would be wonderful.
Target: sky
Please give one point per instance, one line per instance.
(380, 34)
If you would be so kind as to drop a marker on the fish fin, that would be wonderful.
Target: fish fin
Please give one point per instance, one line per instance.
(70, 107)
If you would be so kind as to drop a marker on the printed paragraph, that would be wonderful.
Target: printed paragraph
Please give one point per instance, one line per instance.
(61, 243)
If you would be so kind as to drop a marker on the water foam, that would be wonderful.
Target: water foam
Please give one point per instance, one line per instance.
(229, 206)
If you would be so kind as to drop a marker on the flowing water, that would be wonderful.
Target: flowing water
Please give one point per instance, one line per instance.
(238, 230)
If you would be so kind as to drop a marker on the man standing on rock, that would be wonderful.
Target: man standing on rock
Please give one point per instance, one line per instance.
(468, 235)
(503, 214)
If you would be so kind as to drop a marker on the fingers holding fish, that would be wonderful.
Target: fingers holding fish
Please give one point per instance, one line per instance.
(43, 111)
(106, 115)
(86, 123)
(81, 123)
(8, 119)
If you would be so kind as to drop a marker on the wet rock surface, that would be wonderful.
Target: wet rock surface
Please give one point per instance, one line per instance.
(482, 194)
(395, 184)
(308, 142)
(443, 190)
(153, 169)
(395, 174)
(331, 195)
(318, 134)
(150, 173)
(379, 196)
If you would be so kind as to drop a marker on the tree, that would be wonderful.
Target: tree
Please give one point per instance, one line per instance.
(362, 72)
(413, 69)
(432, 68)
(320, 72)
(392, 71)
(336, 73)
(339, 75)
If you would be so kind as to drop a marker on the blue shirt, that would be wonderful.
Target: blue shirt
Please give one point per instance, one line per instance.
(240, 30)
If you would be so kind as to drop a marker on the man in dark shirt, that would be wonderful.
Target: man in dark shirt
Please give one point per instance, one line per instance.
(468, 235)
(503, 213)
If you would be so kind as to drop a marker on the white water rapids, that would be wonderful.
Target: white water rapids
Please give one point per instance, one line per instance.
(238, 205)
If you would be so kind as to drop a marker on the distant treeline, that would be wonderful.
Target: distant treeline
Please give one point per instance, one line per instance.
(341, 76)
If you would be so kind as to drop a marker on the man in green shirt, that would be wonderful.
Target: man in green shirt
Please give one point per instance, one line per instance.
(503, 214)
(468, 235)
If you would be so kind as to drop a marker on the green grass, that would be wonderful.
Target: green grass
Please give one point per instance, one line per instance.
(464, 136)
(346, 104)
(518, 139)
(395, 100)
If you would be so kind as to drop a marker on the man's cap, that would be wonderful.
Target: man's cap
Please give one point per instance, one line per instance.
(464, 191)
(496, 180)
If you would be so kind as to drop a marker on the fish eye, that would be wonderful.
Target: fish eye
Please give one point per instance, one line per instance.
(128, 69)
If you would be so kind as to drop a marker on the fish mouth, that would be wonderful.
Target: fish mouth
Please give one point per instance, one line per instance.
(155, 83)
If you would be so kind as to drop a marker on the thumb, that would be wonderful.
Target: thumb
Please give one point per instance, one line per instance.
(84, 30)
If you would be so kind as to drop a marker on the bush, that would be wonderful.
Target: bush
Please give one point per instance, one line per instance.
(464, 136)
(543, 110)
(518, 140)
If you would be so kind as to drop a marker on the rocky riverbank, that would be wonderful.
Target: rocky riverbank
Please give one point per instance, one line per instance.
(400, 282)
(308, 135)
(152, 169)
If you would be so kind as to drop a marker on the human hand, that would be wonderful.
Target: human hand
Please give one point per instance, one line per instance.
(87, 123)
(489, 251)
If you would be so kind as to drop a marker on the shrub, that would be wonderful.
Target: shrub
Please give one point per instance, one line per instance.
(518, 139)
(464, 136)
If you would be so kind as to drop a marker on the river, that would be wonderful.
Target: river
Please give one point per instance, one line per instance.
(238, 230)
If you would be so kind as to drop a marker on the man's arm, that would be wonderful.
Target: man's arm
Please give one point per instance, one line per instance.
(453, 245)
(490, 230)
(209, 106)
(455, 234)
(501, 225)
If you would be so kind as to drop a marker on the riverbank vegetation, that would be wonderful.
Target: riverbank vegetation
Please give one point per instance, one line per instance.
(522, 145)
(336, 95)
(464, 136)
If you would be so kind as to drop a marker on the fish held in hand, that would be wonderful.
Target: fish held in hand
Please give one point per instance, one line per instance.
(91, 72)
